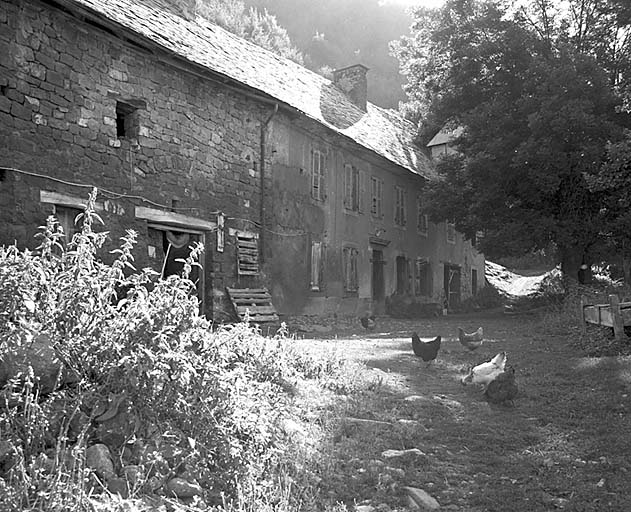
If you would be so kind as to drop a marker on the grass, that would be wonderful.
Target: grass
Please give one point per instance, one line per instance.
(563, 445)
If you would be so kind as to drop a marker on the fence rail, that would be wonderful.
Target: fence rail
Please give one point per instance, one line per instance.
(616, 315)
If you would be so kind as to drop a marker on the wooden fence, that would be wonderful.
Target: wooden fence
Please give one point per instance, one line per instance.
(616, 315)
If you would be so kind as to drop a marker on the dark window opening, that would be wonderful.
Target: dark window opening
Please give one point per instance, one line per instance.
(126, 120)
(423, 278)
(3, 90)
(3, 175)
(69, 221)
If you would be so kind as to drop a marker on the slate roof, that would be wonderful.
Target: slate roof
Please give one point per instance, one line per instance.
(380, 130)
(445, 136)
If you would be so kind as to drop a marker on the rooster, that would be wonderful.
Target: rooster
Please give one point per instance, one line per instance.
(368, 322)
(471, 341)
(426, 349)
(503, 388)
(486, 372)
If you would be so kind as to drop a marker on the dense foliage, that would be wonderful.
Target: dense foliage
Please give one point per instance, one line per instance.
(201, 403)
(539, 92)
(259, 27)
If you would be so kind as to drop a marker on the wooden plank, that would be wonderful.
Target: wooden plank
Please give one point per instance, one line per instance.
(246, 291)
(257, 296)
(256, 303)
(582, 314)
(618, 326)
(258, 310)
(598, 316)
(264, 318)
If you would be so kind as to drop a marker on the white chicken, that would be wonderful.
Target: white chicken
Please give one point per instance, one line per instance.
(485, 373)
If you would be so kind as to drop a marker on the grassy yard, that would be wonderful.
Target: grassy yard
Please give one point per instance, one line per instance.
(565, 445)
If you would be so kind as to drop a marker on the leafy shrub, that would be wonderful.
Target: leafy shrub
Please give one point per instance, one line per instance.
(199, 402)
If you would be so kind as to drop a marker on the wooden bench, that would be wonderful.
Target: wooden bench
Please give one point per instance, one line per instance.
(616, 315)
(255, 303)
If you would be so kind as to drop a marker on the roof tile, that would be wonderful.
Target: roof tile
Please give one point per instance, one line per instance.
(382, 131)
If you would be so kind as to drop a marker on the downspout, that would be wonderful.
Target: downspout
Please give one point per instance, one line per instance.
(264, 127)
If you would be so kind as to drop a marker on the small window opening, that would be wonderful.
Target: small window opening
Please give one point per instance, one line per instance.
(126, 120)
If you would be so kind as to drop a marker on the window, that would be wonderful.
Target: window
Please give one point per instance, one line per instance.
(376, 194)
(400, 217)
(351, 188)
(422, 278)
(422, 222)
(316, 266)
(127, 123)
(351, 281)
(451, 232)
(474, 282)
(318, 166)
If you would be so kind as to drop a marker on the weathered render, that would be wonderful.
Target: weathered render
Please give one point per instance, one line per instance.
(192, 134)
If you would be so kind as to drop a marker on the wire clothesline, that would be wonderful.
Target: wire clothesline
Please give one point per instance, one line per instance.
(116, 195)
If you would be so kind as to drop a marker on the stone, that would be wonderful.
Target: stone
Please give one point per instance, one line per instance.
(6, 451)
(38, 353)
(416, 398)
(132, 475)
(182, 488)
(118, 486)
(391, 454)
(418, 499)
(98, 458)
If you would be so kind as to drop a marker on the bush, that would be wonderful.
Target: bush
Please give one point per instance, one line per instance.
(168, 395)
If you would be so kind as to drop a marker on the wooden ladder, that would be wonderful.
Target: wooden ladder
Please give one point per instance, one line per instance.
(256, 301)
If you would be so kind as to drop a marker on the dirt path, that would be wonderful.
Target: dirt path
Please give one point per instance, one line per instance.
(565, 445)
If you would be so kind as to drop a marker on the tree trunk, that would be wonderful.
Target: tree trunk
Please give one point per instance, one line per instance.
(575, 264)
(626, 268)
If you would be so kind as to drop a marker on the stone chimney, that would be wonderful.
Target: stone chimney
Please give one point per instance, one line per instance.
(352, 81)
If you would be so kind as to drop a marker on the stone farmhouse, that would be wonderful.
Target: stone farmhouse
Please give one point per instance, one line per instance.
(291, 181)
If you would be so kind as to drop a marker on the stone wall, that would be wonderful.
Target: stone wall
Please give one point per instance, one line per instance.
(80, 107)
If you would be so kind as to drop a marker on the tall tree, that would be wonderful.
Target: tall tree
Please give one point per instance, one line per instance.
(614, 179)
(259, 27)
(537, 113)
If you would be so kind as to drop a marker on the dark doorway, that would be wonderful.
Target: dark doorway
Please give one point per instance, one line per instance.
(452, 285)
(402, 277)
(378, 288)
(166, 246)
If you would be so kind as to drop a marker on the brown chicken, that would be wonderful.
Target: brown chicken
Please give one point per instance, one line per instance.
(368, 322)
(473, 340)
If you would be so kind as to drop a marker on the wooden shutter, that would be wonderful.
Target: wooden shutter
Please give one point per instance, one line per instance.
(362, 192)
(316, 265)
(247, 255)
(348, 186)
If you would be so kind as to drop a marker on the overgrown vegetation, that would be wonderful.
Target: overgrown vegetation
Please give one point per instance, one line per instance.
(147, 376)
